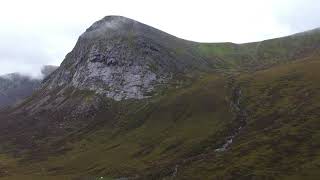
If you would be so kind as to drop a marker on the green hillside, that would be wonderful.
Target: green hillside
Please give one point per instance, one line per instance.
(281, 138)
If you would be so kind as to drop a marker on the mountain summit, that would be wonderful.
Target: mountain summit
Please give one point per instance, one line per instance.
(123, 59)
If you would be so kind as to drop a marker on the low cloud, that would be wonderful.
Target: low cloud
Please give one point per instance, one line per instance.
(28, 52)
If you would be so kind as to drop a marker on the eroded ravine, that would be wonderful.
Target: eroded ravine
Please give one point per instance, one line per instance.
(240, 117)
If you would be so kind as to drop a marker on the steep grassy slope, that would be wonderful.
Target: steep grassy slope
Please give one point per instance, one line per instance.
(281, 138)
(155, 135)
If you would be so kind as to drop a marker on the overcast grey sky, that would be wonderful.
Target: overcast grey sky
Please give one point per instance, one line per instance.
(39, 32)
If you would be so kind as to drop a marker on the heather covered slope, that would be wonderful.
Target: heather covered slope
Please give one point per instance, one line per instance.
(261, 55)
(133, 101)
(281, 138)
(147, 136)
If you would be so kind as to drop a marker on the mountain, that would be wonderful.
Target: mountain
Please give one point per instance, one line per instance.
(123, 59)
(16, 87)
(133, 102)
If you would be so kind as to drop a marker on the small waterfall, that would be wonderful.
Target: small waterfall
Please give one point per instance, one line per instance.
(241, 116)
